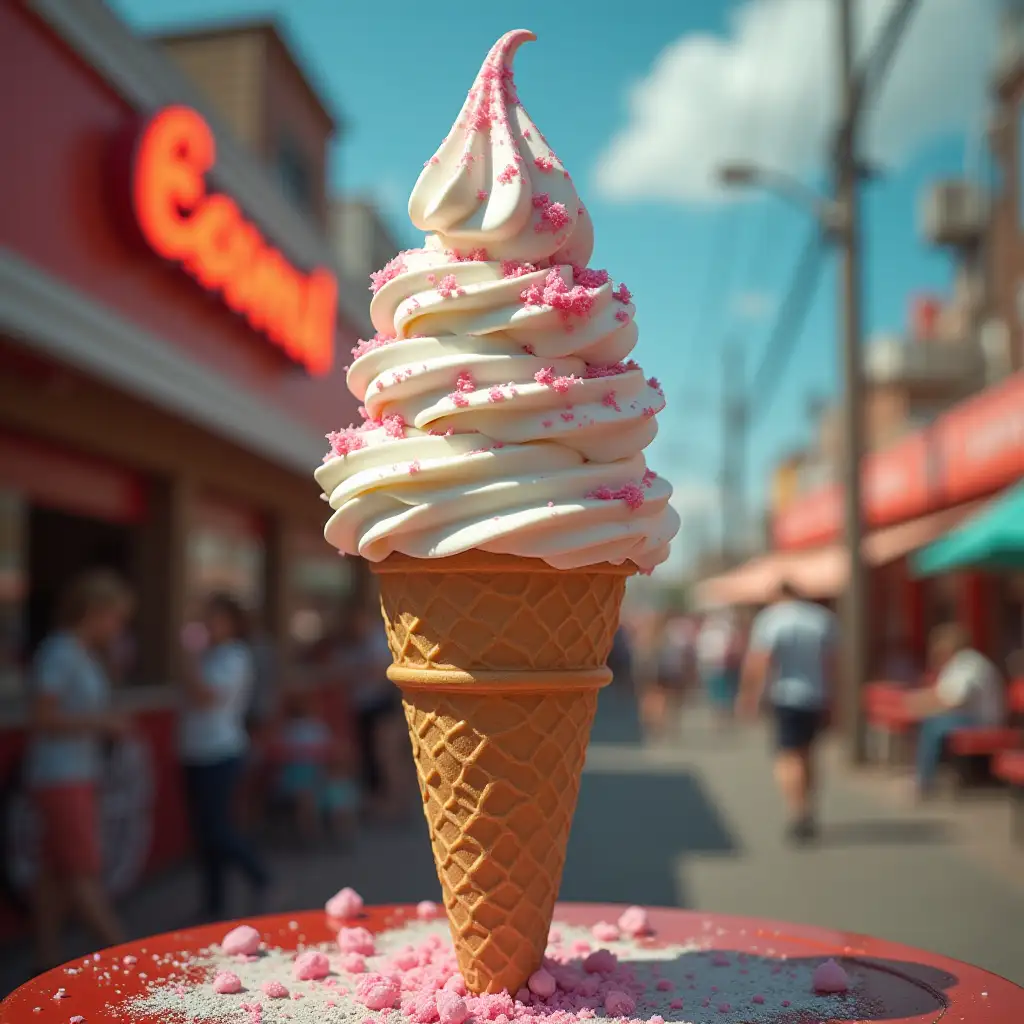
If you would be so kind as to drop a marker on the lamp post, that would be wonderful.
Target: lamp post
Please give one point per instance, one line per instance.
(838, 218)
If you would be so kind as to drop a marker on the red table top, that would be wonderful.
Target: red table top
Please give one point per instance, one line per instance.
(913, 986)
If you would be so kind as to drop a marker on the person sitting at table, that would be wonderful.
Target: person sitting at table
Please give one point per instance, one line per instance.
(71, 719)
(968, 692)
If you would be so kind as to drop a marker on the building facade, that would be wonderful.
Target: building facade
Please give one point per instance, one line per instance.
(173, 332)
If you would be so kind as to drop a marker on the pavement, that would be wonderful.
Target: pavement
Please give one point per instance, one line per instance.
(695, 822)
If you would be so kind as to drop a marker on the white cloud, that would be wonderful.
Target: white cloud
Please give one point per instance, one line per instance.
(767, 93)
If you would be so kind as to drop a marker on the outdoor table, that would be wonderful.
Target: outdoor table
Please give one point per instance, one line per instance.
(913, 986)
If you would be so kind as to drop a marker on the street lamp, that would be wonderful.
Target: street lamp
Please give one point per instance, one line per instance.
(839, 222)
(827, 212)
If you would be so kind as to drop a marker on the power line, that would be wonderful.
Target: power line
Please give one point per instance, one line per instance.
(788, 324)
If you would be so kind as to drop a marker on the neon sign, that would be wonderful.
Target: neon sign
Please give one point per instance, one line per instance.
(212, 240)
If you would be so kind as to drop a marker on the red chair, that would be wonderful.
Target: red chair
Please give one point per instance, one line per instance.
(1009, 766)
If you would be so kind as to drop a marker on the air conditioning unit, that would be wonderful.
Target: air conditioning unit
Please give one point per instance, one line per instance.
(955, 213)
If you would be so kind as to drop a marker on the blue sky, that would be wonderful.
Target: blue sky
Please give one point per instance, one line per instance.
(640, 106)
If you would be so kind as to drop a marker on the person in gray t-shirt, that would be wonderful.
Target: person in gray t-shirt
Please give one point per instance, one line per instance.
(790, 664)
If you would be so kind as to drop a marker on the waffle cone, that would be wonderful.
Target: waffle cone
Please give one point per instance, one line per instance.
(499, 660)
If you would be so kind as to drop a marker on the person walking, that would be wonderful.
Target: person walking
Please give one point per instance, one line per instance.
(70, 719)
(791, 664)
(719, 658)
(968, 692)
(218, 680)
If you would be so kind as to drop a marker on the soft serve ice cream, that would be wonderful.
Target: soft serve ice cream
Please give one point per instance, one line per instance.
(501, 409)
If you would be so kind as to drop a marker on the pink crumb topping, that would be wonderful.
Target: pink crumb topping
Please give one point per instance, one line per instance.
(619, 1004)
(553, 218)
(389, 272)
(649, 477)
(451, 1007)
(394, 426)
(829, 977)
(611, 401)
(622, 316)
(589, 278)
(227, 984)
(459, 399)
(273, 989)
(540, 200)
(600, 962)
(622, 294)
(448, 287)
(561, 385)
(510, 172)
(369, 345)
(568, 417)
(481, 194)
(543, 163)
(377, 992)
(633, 496)
(241, 940)
(653, 382)
(514, 268)
(495, 394)
(478, 255)
(554, 292)
(595, 370)
(311, 965)
(356, 940)
(427, 910)
(414, 467)
(465, 382)
(344, 903)
(352, 963)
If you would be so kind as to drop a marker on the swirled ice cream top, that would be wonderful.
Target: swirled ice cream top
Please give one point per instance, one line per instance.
(501, 409)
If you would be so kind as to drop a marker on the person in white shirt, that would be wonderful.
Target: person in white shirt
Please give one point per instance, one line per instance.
(968, 693)
(213, 742)
(719, 657)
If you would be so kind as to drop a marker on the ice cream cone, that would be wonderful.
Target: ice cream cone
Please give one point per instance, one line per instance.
(499, 660)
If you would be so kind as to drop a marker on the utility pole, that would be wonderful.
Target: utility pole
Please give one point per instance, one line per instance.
(734, 450)
(856, 638)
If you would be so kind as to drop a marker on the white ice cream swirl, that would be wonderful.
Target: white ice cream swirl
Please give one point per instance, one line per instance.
(501, 411)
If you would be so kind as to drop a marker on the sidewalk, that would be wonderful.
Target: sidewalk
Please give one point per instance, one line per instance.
(698, 824)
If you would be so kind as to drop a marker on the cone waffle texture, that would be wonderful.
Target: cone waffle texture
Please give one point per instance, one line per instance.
(499, 660)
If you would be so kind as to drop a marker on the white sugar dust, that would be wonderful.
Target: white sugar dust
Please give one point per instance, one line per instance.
(411, 977)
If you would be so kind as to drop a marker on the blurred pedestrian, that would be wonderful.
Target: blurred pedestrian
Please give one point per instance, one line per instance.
(720, 651)
(380, 725)
(676, 666)
(71, 718)
(791, 664)
(218, 680)
(968, 692)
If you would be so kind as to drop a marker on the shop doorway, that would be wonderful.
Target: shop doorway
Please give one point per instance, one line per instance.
(60, 547)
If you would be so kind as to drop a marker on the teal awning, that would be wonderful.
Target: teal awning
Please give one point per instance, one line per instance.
(993, 539)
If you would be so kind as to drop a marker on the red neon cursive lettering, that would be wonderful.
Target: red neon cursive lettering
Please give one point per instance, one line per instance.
(208, 235)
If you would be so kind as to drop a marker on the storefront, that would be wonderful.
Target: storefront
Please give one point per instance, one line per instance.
(914, 493)
(172, 340)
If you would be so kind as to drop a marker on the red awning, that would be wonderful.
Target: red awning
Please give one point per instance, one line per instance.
(822, 572)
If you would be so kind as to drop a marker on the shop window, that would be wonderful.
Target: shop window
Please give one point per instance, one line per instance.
(294, 173)
(226, 553)
(321, 585)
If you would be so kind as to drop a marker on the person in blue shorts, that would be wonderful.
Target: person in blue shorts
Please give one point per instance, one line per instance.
(790, 666)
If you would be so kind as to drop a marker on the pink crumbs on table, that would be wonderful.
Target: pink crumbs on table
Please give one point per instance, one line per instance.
(311, 965)
(427, 910)
(243, 940)
(344, 903)
(830, 977)
(356, 940)
(274, 990)
(226, 983)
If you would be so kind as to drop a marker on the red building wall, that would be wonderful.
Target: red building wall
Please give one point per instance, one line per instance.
(65, 206)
